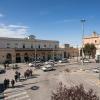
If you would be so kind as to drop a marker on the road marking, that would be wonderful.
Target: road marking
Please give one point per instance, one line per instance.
(12, 96)
(20, 98)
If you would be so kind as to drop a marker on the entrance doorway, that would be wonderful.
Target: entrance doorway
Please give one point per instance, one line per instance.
(18, 58)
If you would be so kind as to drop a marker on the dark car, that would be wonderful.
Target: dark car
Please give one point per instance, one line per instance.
(2, 70)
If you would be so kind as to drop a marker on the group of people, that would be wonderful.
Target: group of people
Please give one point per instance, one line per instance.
(17, 75)
(28, 73)
(7, 83)
(6, 65)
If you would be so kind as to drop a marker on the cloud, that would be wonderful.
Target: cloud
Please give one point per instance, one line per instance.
(66, 21)
(15, 31)
(1, 15)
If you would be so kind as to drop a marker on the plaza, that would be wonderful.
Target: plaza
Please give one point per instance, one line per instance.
(41, 84)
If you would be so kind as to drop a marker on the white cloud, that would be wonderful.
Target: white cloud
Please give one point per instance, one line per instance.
(15, 31)
(66, 21)
(1, 15)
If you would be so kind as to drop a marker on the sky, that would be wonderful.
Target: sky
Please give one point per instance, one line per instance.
(49, 19)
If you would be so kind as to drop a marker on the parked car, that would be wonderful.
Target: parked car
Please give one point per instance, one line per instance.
(38, 63)
(49, 62)
(64, 60)
(2, 70)
(47, 67)
(85, 60)
(96, 70)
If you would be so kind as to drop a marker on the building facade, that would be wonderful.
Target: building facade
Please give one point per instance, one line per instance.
(93, 39)
(26, 49)
(16, 50)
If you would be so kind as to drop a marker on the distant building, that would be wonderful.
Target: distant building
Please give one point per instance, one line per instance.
(69, 52)
(93, 39)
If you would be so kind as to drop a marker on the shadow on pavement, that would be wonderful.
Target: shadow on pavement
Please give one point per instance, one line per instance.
(34, 88)
(1, 91)
(18, 86)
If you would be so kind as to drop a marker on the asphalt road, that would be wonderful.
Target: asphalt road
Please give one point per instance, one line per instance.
(41, 85)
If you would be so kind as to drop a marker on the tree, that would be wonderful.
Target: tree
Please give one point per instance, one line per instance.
(73, 93)
(89, 49)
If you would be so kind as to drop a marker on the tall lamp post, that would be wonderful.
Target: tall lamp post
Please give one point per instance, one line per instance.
(82, 21)
(35, 53)
(53, 54)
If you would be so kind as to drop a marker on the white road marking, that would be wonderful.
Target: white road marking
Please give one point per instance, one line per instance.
(15, 95)
(20, 98)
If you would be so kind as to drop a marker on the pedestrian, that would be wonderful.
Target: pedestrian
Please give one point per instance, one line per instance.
(12, 82)
(16, 77)
(16, 72)
(5, 66)
(19, 75)
(31, 72)
(5, 83)
(8, 83)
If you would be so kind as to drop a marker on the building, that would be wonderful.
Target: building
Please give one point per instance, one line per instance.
(16, 50)
(69, 52)
(26, 49)
(93, 39)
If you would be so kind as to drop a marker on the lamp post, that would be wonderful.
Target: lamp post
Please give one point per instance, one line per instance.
(77, 53)
(35, 53)
(82, 21)
(53, 54)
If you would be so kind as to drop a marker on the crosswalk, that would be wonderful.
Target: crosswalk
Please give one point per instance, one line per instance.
(16, 94)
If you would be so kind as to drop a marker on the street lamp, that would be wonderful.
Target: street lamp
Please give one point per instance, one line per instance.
(82, 21)
(53, 54)
(35, 53)
(77, 53)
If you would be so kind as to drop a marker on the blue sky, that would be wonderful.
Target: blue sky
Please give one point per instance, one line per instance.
(49, 19)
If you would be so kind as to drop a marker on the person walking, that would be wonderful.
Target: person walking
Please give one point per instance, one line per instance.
(19, 75)
(12, 82)
(5, 66)
(5, 83)
(8, 83)
(16, 77)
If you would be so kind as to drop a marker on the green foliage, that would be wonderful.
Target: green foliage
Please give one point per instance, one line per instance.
(89, 49)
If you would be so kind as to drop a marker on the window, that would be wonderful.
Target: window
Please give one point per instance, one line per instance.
(45, 46)
(23, 45)
(16, 45)
(31, 46)
(55, 46)
(39, 46)
(95, 41)
(8, 45)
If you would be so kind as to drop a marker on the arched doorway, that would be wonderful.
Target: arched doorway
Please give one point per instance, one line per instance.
(26, 57)
(18, 58)
(8, 58)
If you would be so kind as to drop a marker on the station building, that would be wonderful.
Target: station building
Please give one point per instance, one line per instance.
(21, 49)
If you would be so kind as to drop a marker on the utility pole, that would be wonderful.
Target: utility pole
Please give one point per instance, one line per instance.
(82, 21)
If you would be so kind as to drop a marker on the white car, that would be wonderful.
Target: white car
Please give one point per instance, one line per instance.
(47, 67)
(63, 61)
(38, 63)
(96, 70)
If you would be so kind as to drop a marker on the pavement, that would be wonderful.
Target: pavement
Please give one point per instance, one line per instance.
(41, 84)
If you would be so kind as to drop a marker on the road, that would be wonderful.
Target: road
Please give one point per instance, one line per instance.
(41, 85)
